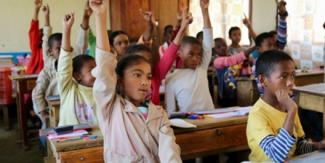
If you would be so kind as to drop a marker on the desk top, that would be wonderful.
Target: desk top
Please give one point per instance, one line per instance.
(309, 72)
(316, 89)
(314, 157)
(24, 77)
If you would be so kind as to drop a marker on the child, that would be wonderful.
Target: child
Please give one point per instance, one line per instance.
(35, 42)
(168, 38)
(274, 132)
(75, 82)
(161, 69)
(46, 84)
(262, 43)
(188, 87)
(227, 68)
(133, 130)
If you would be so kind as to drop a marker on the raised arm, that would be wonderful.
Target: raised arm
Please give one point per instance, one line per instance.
(249, 26)
(207, 34)
(282, 25)
(82, 38)
(150, 20)
(65, 70)
(47, 31)
(34, 35)
(105, 84)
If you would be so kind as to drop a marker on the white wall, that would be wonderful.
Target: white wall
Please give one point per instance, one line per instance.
(263, 16)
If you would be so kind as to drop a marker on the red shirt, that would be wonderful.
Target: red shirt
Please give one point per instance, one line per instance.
(36, 62)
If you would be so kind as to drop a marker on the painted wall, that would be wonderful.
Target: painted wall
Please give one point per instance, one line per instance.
(263, 16)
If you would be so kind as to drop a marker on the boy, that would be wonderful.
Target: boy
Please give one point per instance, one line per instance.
(273, 129)
(188, 87)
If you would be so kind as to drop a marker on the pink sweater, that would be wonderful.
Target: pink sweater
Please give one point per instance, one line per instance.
(226, 61)
(161, 69)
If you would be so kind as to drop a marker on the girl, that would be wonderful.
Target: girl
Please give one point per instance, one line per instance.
(134, 130)
(75, 82)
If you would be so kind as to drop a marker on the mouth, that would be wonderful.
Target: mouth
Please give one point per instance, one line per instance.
(144, 91)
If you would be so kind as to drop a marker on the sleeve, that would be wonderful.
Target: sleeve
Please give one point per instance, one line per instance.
(282, 32)
(65, 72)
(207, 47)
(104, 89)
(166, 62)
(39, 92)
(47, 31)
(170, 98)
(92, 43)
(34, 36)
(222, 62)
(82, 41)
(169, 151)
(277, 147)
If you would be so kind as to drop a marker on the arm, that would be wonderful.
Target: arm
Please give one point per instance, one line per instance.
(167, 142)
(222, 62)
(207, 35)
(249, 26)
(39, 92)
(147, 35)
(82, 38)
(34, 36)
(282, 25)
(47, 31)
(65, 70)
(170, 97)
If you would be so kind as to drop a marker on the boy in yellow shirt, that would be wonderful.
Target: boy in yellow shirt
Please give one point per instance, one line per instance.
(274, 132)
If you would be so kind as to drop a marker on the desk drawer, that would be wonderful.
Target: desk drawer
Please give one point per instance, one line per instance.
(217, 139)
(93, 155)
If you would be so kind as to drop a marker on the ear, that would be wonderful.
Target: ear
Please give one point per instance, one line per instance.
(263, 80)
(77, 76)
(49, 51)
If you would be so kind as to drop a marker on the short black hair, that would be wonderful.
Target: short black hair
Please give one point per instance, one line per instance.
(79, 61)
(190, 40)
(199, 34)
(267, 60)
(135, 48)
(233, 29)
(53, 38)
(114, 34)
(220, 39)
(273, 33)
(262, 37)
(127, 61)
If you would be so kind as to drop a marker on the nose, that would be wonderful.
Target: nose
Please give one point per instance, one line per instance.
(291, 81)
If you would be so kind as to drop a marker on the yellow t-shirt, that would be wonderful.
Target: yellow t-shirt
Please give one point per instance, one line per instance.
(264, 120)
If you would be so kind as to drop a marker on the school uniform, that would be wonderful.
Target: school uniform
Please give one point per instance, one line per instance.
(128, 135)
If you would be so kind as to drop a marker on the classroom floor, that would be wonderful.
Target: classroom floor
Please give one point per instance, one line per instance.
(12, 152)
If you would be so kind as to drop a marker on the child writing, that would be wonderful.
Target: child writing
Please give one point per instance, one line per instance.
(188, 87)
(75, 82)
(274, 132)
(133, 130)
(163, 66)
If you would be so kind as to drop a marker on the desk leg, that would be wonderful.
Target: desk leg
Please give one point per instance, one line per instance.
(21, 112)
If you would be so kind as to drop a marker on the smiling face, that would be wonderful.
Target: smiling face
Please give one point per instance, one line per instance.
(191, 55)
(136, 82)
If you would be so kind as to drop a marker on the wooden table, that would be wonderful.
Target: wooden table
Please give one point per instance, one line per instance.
(24, 85)
(54, 112)
(210, 137)
(310, 77)
(312, 97)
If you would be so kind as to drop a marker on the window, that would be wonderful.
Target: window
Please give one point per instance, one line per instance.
(305, 31)
(223, 14)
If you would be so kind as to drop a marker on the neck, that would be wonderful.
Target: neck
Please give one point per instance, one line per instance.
(234, 45)
(271, 100)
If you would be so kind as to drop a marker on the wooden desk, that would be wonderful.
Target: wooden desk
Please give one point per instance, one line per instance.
(24, 84)
(312, 97)
(210, 137)
(54, 112)
(310, 77)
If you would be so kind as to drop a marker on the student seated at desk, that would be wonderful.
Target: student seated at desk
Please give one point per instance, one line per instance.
(134, 130)
(187, 88)
(75, 82)
(274, 132)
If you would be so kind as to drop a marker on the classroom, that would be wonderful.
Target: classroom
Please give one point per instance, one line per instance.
(149, 81)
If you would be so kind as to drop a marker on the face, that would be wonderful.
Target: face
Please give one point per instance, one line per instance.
(121, 42)
(191, 55)
(221, 47)
(137, 82)
(55, 49)
(169, 35)
(266, 45)
(282, 78)
(200, 39)
(273, 40)
(235, 36)
(84, 77)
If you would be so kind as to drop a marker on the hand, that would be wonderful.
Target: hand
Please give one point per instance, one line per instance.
(99, 6)
(87, 11)
(38, 4)
(187, 19)
(204, 4)
(282, 7)
(46, 10)
(285, 101)
(246, 22)
(68, 21)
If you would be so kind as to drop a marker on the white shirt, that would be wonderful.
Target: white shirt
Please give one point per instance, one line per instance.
(189, 88)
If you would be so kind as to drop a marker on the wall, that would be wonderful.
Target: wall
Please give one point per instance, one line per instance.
(16, 16)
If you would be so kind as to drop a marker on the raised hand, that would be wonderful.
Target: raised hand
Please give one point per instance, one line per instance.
(282, 8)
(204, 4)
(87, 11)
(38, 4)
(246, 21)
(187, 19)
(68, 21)
(99, 6)
(46, 10)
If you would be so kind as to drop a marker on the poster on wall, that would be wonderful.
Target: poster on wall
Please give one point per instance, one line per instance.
(317, 53)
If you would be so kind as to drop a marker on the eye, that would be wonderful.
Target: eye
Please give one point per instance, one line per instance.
(137, 75)
(149, 77)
